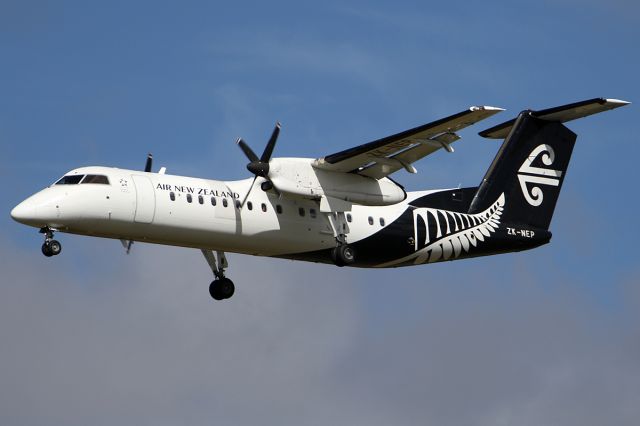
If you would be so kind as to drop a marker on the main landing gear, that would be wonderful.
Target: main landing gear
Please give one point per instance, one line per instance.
(342, 254)
(50, 247)
(222, 287)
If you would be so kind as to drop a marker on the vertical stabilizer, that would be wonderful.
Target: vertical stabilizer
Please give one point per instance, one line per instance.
(529, 170)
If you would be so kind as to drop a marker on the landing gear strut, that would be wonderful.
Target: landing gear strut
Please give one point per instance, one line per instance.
(50, 247)
(222, 287)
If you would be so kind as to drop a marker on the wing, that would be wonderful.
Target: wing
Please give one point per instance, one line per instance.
(384, 156)
(561, 114)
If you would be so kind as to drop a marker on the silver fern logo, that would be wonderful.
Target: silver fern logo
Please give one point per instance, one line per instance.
(449, 234)
(527, 174)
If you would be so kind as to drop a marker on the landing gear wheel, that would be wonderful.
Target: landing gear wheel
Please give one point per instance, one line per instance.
(55, 247)
(51, 248)
(343, 255)
(222, 289)
(46, 250)
(227, 288)
(214, 290)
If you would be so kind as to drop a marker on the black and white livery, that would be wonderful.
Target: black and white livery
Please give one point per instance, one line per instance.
(341, 209)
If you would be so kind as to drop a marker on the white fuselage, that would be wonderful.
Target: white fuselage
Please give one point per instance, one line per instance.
(199, 213)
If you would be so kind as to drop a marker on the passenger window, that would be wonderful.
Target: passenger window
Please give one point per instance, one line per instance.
(238, 204)
(101, 179)
(381, 221)
(264, 207)
(249, 205)
(279, 208)
(213, 201)
(225, 203)
(172, 196)
(70, 180)
(189, 198)
(200, 199)
(370, 220)
(301, 211)
(312, 213)
(349, 218)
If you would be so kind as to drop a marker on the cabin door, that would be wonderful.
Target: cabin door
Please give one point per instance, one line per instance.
(145, 199)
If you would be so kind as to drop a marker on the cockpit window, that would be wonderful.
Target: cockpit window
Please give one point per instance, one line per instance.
(96, 179)
(70, 180)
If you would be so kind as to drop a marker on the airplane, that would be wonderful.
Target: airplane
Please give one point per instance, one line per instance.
(341, 209)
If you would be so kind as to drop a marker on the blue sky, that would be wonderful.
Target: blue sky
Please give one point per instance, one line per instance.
(547, 336)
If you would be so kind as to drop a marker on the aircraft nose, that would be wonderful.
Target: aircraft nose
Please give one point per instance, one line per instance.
(23, 212)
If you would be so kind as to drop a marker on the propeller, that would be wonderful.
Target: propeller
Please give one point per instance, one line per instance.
(259, 167)
(147, 166)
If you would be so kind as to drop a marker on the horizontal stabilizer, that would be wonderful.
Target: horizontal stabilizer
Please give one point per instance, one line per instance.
(559, 114)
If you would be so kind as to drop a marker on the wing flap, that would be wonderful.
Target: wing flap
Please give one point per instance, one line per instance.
(403, 159)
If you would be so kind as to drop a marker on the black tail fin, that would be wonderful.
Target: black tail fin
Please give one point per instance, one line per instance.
(531, 164)
(529, 170)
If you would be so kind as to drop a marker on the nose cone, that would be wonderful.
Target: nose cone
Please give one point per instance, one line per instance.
(25, 212)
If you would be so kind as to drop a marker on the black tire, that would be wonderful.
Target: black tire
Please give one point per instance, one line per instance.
(222, 289)
(336, 257)
(347, 254)
(214, 290)
(227, 288)
(46, 250)
(55, 247)
(343, 255)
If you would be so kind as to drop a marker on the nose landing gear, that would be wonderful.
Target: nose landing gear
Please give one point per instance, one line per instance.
(222, 287)
(50, 247)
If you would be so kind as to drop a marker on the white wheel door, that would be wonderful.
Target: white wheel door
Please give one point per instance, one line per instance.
(145, 199)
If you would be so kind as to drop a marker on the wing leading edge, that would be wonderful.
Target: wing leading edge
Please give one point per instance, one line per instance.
(384, 156)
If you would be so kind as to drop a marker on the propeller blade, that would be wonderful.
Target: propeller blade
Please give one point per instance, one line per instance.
(147, 166)
(268, 150)
(248, 192)
(247, 150)
(127, 245)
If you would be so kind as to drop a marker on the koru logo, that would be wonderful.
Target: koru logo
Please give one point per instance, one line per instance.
(537, 175)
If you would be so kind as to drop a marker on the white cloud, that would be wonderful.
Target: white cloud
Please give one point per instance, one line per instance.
(136, 339)
(146, 342)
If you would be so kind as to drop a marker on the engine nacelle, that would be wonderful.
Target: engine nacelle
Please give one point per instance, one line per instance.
(297, 176)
